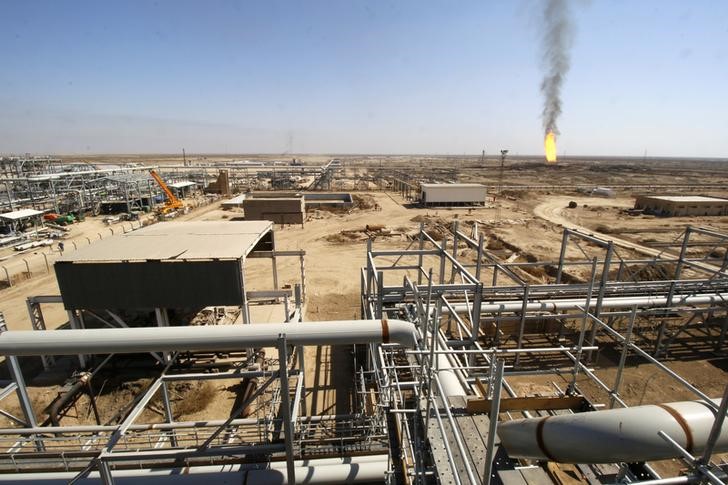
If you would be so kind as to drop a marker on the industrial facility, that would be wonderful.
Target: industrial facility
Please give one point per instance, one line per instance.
(408, 333)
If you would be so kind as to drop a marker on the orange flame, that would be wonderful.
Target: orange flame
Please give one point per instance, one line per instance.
(549, 145)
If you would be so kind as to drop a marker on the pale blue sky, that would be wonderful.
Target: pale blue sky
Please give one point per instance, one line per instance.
(358, 77)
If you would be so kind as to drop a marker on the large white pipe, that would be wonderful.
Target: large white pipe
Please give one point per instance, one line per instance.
(451, 385)
(553, 305)
(615, 435)
(330, 471)
(207, 338)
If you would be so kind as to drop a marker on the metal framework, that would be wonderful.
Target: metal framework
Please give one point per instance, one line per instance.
(484, 322)
(480, 327)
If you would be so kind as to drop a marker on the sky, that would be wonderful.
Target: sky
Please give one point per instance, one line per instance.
(647, 77)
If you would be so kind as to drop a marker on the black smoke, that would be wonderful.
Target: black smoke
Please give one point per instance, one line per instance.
(556, 42)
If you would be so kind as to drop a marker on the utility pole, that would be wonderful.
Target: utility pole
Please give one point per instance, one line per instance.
(500, 172)
(500, 185)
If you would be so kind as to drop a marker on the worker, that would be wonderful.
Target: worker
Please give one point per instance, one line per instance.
(60, 247)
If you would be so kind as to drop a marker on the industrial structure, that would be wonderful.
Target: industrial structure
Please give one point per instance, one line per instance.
(439, 343)
(682, 205)
(463, 366)
(281, 210)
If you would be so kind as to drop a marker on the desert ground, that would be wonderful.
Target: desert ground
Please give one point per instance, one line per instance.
(529, 221)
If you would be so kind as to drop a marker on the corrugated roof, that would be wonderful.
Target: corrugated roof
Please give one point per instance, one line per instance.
(180, 241)
(20, 214)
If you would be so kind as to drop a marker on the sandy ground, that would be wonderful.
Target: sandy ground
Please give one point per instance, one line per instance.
(533, 224)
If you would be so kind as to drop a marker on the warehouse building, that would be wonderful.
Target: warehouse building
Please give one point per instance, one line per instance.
(682, 205)
(280, 210)
(452, 194)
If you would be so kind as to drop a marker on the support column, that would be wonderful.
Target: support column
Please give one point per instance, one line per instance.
(562, 255)
(303, 277)
(420, 258)
(168, 412)
(22, 391)
(286, 407)
(245, 309)
(73, 321)
(274, 262)
(493, 425)
(455, 226)
(622, 359)
(443, 250)
(163, 321)
(479, 263)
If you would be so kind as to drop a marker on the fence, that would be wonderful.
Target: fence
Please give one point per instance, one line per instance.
(39, 262)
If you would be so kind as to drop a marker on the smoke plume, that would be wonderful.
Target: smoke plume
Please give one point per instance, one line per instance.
(556, 41)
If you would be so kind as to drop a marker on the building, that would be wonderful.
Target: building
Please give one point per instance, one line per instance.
(452, 194)
(183, 188)
(17, 221)
(682, 205)
(281, 210)
(166, 265)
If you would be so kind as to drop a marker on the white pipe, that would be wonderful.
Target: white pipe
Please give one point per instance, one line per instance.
(573, 303)
(449, 380)
(322, 475)
(207, 338)
(359, 469)
(615, 435)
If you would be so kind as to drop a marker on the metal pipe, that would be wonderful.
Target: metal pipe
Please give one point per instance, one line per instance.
(359, 469)
(608, 302)
(614, 435)
(216, 338)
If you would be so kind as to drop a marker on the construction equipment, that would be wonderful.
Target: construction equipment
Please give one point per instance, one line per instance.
(172, 203)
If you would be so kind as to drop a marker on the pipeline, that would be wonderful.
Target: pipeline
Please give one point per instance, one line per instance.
(553, 305)
(249, 385)
(217, 338)
(327, 471)
(615, 435)
(62, 402)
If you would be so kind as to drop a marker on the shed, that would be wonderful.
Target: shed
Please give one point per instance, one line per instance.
(452, 194)
(16, 220)
(182, 188)
(682, 205)
(166, 265)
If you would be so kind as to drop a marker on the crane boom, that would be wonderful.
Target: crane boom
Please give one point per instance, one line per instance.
(172, 201)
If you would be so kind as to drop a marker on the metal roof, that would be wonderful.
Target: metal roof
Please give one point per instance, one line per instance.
(20, 214)
(686, 198)
(178, 241)
(182, 184)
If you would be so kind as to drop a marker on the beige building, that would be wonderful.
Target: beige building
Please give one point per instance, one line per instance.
(682, 205)
(281, 210)
(453, 194)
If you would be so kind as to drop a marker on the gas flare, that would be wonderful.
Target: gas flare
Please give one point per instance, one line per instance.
(549, 145)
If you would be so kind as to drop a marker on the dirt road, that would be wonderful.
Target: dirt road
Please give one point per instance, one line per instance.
(555, 210)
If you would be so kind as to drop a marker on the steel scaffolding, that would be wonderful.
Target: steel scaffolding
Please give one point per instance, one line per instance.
(483, 322)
